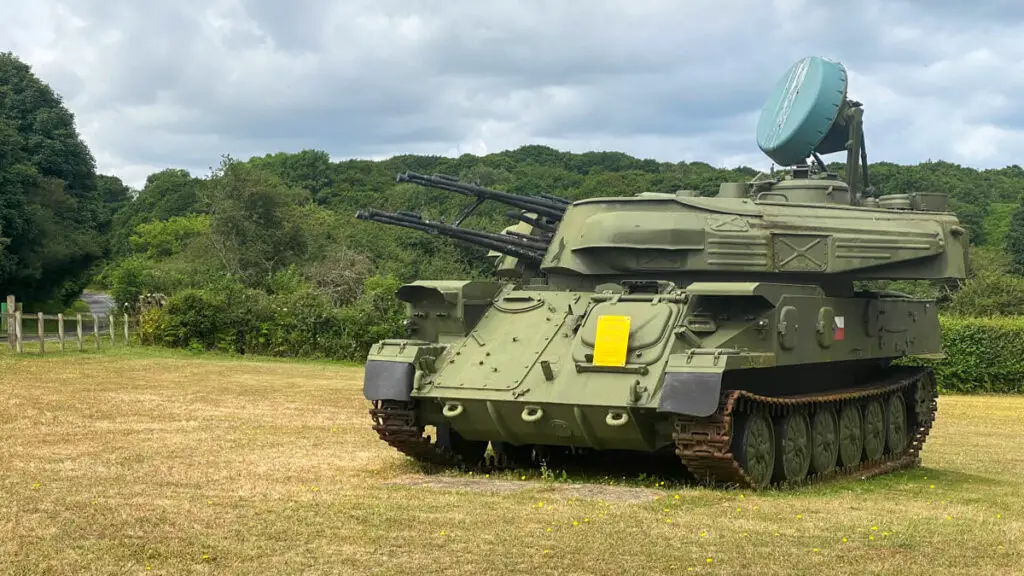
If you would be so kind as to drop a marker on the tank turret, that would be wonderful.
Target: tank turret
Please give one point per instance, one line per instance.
(724, 331)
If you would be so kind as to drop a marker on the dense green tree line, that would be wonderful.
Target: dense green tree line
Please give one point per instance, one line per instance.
(276, 237)
(54, 210)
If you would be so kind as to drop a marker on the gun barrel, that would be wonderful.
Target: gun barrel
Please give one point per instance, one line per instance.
(531, 250)
(536, 223)
(542, 206)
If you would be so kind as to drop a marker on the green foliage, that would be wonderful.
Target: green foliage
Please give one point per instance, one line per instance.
(982, 355)
(997, 223)
(114, 195)
(1015, 239)
(164, 238)
(250, 221)
(167, 194)
(990, 290)
(131, 278)
(293, 321)
(51, 211)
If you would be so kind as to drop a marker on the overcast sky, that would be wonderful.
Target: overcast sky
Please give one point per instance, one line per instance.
(160, 83)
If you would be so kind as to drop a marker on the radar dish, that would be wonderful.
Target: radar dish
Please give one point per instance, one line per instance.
(797, 118)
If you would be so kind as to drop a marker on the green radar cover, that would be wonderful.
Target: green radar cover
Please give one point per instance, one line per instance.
(801, 110)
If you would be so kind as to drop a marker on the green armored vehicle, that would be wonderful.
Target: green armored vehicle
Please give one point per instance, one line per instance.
(726, 329)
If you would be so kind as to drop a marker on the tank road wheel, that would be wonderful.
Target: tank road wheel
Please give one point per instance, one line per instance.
(756, 449)
(896, 424)
(923, 395)
(792, 447)
(851, 435)
(824, 440)
(874, 430)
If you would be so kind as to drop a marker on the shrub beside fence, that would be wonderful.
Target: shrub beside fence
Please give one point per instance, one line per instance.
(299, 323)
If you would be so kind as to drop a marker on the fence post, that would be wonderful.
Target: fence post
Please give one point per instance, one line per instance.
(96, 330)
(125, 328)
(60, 330)
(41, 331)
(81, 338)
(110, 318)
(9, 322)
(17, 328)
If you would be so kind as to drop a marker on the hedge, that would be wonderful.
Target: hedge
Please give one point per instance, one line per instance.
(300, 323)
(983, 355)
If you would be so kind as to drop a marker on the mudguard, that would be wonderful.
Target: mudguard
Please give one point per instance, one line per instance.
(691, 393)
(388, 380)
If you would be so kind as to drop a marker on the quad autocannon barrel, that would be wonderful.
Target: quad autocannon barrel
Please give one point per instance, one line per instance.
(518, 245)
(544, 205)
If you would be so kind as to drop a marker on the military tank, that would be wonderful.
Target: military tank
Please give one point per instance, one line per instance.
(726, 329)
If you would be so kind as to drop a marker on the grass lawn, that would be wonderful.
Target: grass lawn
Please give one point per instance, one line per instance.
(142, 462)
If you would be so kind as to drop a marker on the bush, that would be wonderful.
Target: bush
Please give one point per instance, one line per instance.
(983, 355)
(295, 321)
(225, 317)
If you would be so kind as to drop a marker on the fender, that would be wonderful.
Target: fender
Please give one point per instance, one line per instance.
(388, 380)
(691, 393)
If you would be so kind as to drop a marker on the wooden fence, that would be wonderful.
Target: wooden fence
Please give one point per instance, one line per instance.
(14, 319)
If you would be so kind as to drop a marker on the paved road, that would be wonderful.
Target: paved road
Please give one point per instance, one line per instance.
(99, 303)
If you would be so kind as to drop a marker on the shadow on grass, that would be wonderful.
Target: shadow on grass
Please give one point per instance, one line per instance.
(616, 468)
(664, 471)
(897, 483)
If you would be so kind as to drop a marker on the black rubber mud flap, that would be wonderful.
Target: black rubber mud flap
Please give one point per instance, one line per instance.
(691, 393)
(388, 380)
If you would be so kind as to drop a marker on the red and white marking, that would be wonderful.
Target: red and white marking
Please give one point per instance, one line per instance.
(839, 328)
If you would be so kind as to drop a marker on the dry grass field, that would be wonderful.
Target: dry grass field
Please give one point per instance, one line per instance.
(148, 462)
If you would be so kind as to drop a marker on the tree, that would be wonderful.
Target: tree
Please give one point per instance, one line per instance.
(166, 194)
(113, 192)
(50, 209)
(1015, 240)
(252, 221)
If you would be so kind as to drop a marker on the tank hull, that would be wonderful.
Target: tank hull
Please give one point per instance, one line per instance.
(733, 377)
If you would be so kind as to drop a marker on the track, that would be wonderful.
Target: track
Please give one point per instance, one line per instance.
(395, 422)
(713, 448)
(856, 440)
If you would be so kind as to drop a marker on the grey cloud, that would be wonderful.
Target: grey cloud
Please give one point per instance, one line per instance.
(179, 83)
